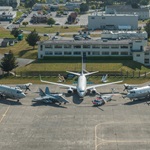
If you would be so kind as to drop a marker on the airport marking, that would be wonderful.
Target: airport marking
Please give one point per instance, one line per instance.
(103, 141)
(4, 114)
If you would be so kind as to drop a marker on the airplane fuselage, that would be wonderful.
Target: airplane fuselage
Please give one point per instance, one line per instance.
(81, 86)
(141, 92)
(11, 92)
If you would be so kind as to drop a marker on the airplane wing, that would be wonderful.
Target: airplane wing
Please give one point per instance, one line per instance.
(60, 84)
(99, 85)
(62, 99)
(41, 99)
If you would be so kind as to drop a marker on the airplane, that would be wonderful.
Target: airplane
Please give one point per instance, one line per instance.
(138, 93)
(48, 97)
(103, 99)
(128, 87)
(104, 78)
(11, 92)
(81, 87)
(24, 86)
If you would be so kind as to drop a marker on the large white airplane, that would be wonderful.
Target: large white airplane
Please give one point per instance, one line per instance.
(11, 92)
(81, 87)
(138, 93)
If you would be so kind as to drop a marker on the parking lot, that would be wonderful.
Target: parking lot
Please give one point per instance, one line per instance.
(118, 125)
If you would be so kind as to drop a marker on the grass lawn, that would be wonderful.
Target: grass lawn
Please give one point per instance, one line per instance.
(53, 29)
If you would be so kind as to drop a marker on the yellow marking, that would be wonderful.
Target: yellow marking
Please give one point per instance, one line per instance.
(4, 114)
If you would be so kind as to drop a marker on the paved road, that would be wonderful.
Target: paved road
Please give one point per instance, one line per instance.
(118, 125)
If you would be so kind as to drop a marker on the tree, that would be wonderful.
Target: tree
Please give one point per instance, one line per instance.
(50, 21)
(32, 38)
(84, 7)
(15, 32)
(147, 28)
(25, 23)
(8, 62)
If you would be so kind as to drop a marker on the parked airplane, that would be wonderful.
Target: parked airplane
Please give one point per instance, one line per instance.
(103, 99)
(128, 87)
(11, 92)
(81, 87)
(104, 78)
(48, 97)
(138, 93)
(24, 86)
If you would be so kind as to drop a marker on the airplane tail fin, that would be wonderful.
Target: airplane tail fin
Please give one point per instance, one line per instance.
(47, 91)
(104, 78)
(41, 92)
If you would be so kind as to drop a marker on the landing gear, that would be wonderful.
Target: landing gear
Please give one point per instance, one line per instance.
(17, 100)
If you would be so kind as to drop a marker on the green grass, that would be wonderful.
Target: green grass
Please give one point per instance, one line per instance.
(5, 33)
(52, 29)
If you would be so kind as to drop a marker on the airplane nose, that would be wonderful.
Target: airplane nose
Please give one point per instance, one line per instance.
(23, 95)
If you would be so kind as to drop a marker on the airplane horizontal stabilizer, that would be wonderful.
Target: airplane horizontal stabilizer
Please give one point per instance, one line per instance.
(75, 73)
(89, 73)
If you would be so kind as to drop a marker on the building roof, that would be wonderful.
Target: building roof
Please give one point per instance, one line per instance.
(85, 42)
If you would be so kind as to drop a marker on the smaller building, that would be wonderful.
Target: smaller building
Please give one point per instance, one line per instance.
(39, 18)
(104, 21)
(143, 13)
(7, 15)
(72, 5)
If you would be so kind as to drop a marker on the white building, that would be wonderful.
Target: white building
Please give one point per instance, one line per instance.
(143, 13)
(100, 20)
(127, 47)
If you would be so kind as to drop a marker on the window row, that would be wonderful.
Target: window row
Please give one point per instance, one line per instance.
(87, 46)
(88, 53)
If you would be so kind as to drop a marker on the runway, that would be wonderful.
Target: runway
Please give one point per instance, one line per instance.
(118, 125)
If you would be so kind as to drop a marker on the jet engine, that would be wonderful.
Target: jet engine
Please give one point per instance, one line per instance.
(70, 91)
(93, 91)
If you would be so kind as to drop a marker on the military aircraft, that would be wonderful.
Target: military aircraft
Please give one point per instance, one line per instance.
(103, 99)
(138, 93)
(11, 92)
(128, 87)
(81, 87)
(48, 97)
(24, 86)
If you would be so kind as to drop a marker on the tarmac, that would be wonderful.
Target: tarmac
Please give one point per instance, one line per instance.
(118, 125)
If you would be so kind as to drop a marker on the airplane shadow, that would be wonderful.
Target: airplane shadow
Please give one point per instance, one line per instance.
(138, 101)
(9, 102)
(47, 104)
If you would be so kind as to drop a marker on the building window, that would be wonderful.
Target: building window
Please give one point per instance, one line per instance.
(48, 46)
(114, 47)
(137, 55)
(92, 17)
(105, 47)
(67, 46)
(48, 53)
(114, 53)
(58, 53)
(96, 46)
(146, 53)
(105, 53)
(58, 46)
(86, 46)
(41, 47)
(77, 46)
(124, 53)
(103, 17)
(124, 46)
(146, 61)
(67, 53)
(95, 53)
(77, 53)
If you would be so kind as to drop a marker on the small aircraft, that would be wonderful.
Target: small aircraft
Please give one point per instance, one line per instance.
(81, 87)
(103, 99)
(48, 97)
(104, 78)
(11, 92)
(24, 86)
(138, 93)
(128, 87)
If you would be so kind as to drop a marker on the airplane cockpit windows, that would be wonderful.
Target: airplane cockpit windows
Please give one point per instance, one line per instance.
(81, 91)
(19, 91)
(132, 92)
